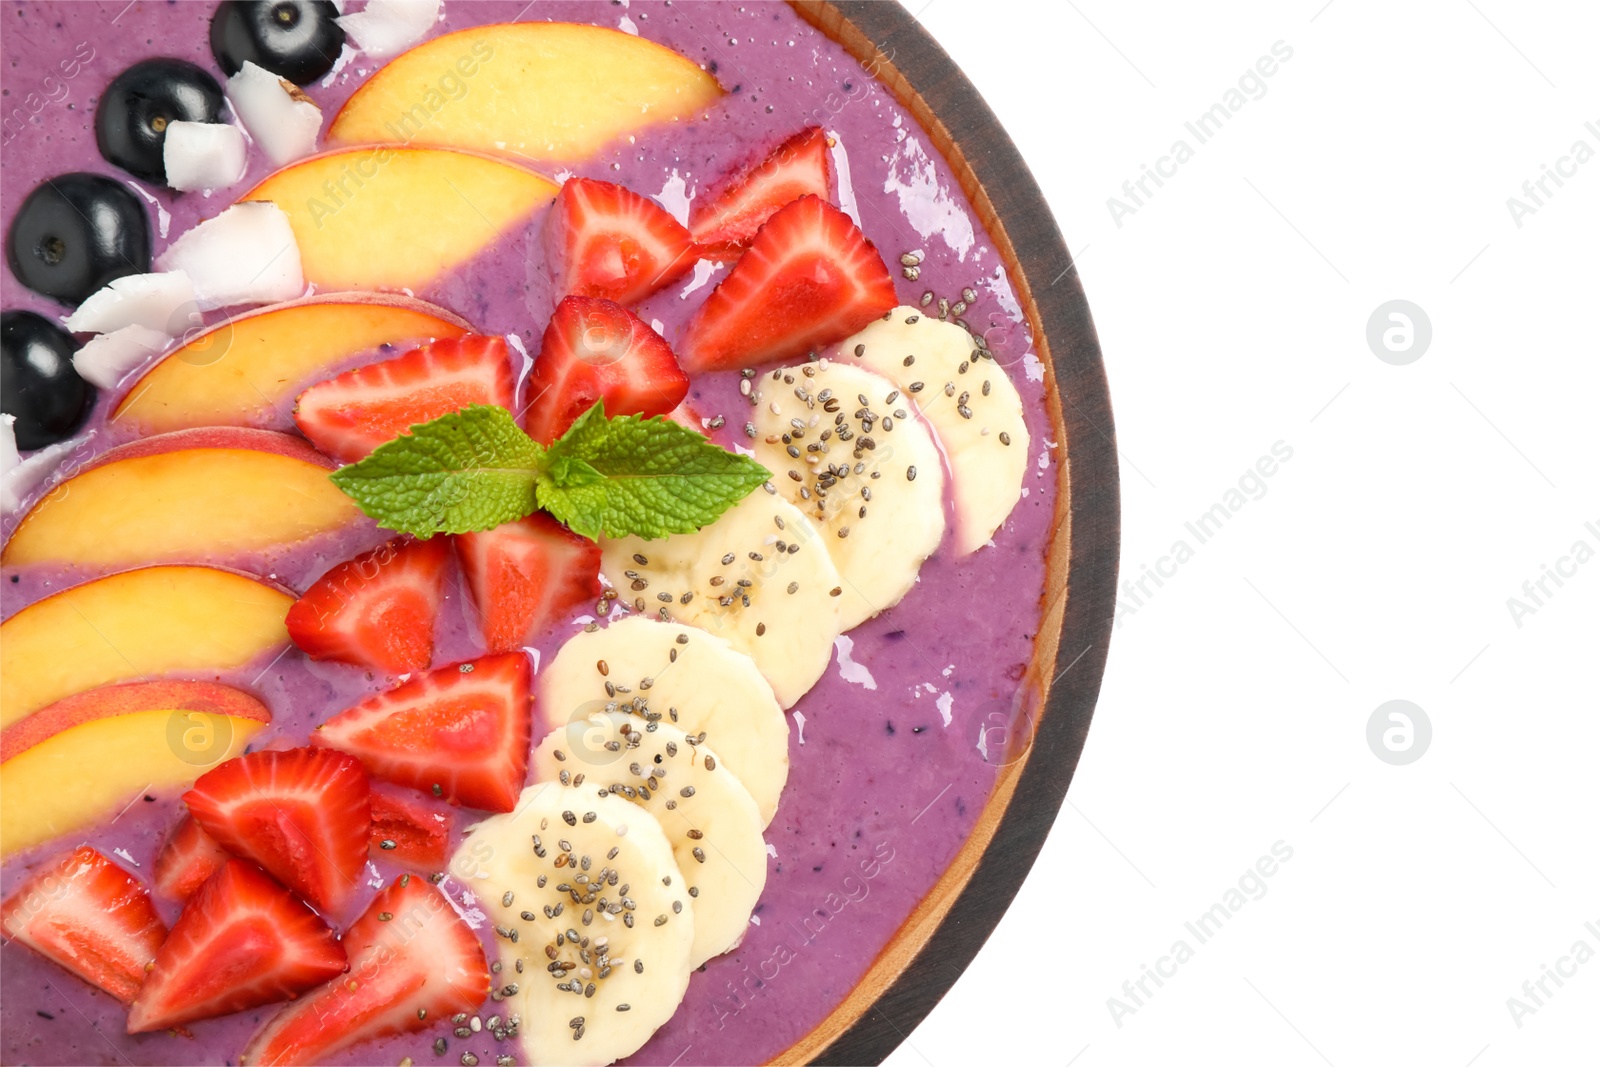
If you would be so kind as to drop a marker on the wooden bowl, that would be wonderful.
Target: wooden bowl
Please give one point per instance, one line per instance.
(939, 939)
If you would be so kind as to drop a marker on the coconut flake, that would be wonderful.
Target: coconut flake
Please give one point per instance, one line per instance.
(19, 477)
(386, 27)
(203, 155)
(246, 255)
(282, 119)
(155, 301)
(107, 359)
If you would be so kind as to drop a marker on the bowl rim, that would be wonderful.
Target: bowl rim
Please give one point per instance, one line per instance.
(944, 932)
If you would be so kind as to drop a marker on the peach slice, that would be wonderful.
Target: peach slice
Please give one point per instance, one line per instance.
(247, 371)
(189, 494)
(540, 90)
(395, 217)
(134, 625)
(82, 759)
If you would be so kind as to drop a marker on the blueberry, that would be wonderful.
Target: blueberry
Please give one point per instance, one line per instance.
(75, 233)
(130, 124)
(295, 39)
(37, 382)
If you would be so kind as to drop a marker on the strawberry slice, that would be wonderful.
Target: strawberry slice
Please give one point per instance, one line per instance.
(459, 732)
(413, 962)
(808, 279)
(604, 240)
(187, 859)
(376, 610)
(409, 830)
(242, 941)
(729, 220)
(348, 416)
(597, 349)
(90, 916)
(525, 575)
(302, 813)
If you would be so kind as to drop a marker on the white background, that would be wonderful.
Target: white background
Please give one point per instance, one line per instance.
(1232, 308)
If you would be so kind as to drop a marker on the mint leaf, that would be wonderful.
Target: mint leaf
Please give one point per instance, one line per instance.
(469, 470)
(643, 477)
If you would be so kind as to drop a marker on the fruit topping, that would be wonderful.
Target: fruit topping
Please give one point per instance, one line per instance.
(242, 941)
(698, 682)
(90, 916)
(186, 860)
(246, 255)
(301, 813)
(75, 233)
(872, 481)
(283, 120)
(809, 278)
(203, 155)
(727, 221)
(460, 732)
(135, 111)
(39, 384)
(107, 358)
(604, 240)
(388, 27)
(409, 829)
(376, 610)
(600, 896)
(709, 817)
(413, 962)
(524, 576)
(295, 39)
(759, 577)
(225, 491)
(349, 416)
(164, 302)
(969, 403)
(594, 349)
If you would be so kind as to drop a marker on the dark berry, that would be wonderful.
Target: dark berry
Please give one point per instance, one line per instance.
(130, 124)
(295, 39)
(75, 233)
(40, 386)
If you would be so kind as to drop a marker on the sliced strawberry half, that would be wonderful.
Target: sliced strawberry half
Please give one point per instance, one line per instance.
(408, 829)
(413, 962)
(596, 349)
(604, 240)
(525, 575)
(188, 858)
(349, 416)
(90, 916)
(459, 732)
(302, 813)
(808, 279)
(729, 220)
(376, 610)
(242, 941)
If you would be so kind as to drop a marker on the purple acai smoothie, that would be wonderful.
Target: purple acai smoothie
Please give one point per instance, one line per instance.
(893, 753)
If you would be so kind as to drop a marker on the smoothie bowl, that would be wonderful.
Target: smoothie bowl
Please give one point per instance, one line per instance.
(533, 533)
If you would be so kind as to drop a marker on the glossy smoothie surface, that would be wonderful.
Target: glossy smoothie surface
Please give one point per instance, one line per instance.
(893, 753)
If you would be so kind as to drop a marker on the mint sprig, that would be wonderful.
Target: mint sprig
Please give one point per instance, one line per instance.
(615, 477)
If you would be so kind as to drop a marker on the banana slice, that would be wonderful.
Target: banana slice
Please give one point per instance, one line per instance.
(975, 412)
(849, 450)
(585, 895)
(678, 674)
(759, 577)
(708, 815)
